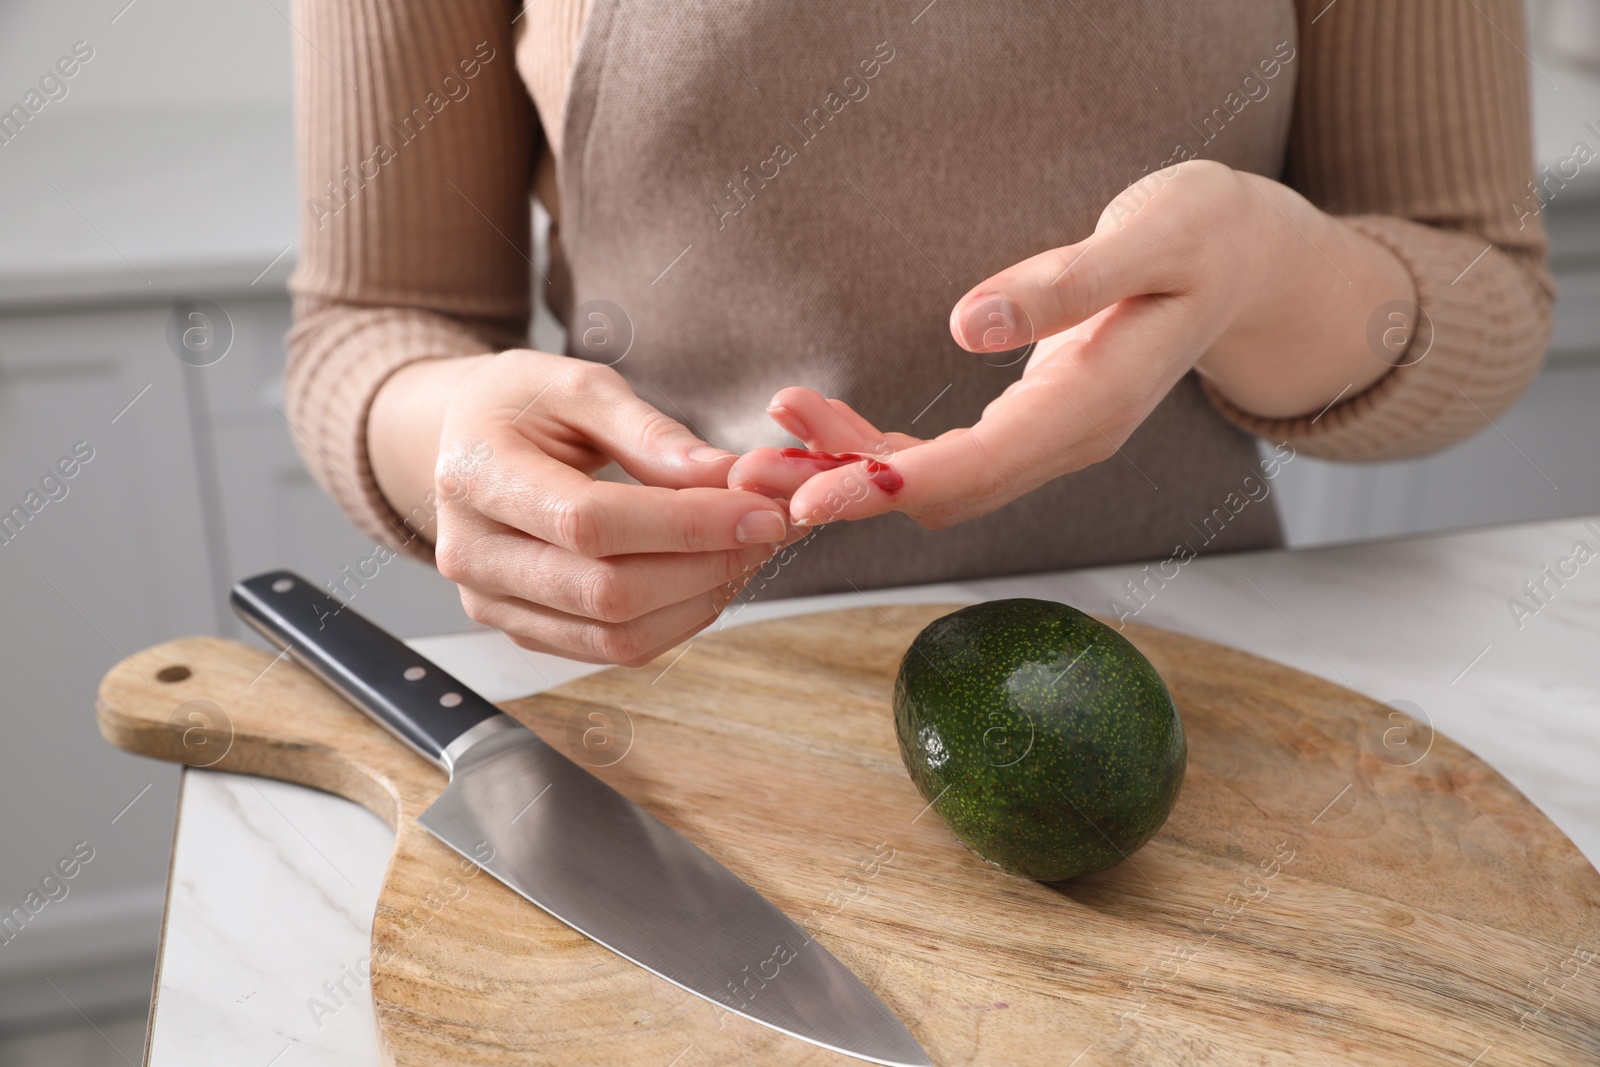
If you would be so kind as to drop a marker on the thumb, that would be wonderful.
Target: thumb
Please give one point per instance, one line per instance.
(1128, 255)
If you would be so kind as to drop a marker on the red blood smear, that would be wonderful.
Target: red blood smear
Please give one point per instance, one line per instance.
(824, 460)
(878, 473)
(884, 477)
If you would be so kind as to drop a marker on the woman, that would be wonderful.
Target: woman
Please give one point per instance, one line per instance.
(1290, 220)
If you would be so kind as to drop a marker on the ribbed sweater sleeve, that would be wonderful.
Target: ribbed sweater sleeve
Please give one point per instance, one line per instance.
(1412, 120)
(416, 142)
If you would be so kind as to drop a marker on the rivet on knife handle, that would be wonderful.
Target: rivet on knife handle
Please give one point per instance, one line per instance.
(411, 697)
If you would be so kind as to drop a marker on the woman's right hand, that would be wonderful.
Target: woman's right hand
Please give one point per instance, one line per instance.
(593, 570)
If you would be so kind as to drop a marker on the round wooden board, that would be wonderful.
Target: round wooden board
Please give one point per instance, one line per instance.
(1323, 892)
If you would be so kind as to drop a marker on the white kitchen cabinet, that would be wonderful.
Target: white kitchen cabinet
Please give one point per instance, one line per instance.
(102, 571)
(268, 510)
(1538, 463)
(193, 481)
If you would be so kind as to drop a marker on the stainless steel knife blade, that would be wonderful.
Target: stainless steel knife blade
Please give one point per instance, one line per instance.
(606, 867)
(576, 847)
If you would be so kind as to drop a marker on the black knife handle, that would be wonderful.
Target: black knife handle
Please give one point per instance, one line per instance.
(408, 695)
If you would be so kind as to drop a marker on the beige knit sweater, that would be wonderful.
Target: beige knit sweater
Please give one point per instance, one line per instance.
(1411, 119)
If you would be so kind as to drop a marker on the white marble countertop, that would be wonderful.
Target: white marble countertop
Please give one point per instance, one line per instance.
(274, 886)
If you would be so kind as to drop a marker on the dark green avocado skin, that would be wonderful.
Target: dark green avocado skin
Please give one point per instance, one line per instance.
(1045, 741)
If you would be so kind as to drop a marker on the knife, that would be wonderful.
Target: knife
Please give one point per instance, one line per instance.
(574, 846)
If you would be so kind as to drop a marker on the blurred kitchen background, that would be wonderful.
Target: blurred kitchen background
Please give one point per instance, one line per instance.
(164, 177)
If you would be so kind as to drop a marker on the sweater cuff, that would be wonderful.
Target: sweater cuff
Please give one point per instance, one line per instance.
(339, 359)
(1490, 326)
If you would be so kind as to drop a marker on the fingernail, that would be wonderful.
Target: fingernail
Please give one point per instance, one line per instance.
(708, 454)
(760, 526)
(991, 324)
(790, 421)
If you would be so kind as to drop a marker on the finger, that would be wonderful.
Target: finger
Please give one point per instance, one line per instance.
(830, 425)
(834, 433)
(634, 642)
(596, 405)
(790, 407)
(1074, 409)
(506, 563)
(526, 489)
(779, 472)
(1130, 254)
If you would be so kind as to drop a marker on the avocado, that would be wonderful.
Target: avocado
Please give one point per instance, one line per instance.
(1045, 741)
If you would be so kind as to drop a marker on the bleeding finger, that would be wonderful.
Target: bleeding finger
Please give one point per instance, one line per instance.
(780, 472)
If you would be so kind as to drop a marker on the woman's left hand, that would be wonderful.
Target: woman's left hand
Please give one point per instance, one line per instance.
(1194, 267)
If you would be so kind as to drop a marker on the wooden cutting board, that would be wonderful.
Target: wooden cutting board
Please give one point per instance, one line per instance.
(1337, 884)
